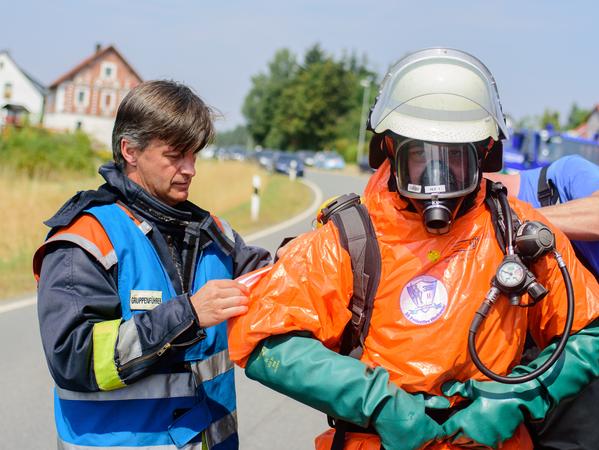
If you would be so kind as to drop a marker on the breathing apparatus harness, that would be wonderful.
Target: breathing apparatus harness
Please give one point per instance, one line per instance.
(513, 277)
(531, 240)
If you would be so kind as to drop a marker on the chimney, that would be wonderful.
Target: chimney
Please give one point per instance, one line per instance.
(98, 47)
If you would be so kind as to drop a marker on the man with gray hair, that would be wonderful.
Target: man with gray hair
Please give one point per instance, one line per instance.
(135, 284)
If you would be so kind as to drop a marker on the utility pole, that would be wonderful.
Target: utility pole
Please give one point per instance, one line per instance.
(365, 83)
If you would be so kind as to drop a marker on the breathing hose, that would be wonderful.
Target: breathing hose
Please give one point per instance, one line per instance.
(533, 288)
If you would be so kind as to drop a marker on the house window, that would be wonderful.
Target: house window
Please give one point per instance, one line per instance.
(82, 97)
(1, 65)
(7, 91)
(108, 71)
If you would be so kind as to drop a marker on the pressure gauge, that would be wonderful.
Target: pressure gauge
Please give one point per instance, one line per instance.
(511, 274)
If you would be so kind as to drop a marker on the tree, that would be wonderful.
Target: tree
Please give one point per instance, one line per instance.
(261, 102)
(550, 118)
(317, 106)
(311, 106)
(237, 136)
(577, 116)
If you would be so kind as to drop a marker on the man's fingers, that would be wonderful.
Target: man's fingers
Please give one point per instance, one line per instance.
(214, 311)
(230, 302)
(224, 284)
(213, 293)
(235, 311)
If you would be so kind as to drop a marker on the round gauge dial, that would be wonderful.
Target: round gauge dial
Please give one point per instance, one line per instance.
(511, 274)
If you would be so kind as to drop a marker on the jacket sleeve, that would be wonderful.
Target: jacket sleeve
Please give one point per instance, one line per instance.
(78, 302)
(247, 258)
(308, 289)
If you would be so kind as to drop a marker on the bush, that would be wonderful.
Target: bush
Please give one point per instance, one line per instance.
(40, 152)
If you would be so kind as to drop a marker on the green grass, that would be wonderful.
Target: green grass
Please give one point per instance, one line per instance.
(224, 188)
(280, 200)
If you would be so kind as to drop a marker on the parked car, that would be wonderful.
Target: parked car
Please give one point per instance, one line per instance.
(238, 153)
(329, 160)
(208, 153)
(307, 157)
(266, 158)
(285, 162)
(364, 165)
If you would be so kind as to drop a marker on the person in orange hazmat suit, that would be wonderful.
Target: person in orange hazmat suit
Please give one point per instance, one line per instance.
(437, 125)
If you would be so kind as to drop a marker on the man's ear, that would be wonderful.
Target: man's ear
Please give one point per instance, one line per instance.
(129, 152)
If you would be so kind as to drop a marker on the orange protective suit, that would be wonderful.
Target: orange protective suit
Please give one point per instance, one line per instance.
(430, 288)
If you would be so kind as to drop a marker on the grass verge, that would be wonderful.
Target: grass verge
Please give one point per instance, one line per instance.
(224, 188)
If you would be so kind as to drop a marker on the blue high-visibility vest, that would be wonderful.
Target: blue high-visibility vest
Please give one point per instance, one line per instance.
(195, 409)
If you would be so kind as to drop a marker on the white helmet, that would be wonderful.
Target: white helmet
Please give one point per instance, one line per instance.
(439, 95)
(438, 117)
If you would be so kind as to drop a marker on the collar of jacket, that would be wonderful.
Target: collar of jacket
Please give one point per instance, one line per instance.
(118, 187)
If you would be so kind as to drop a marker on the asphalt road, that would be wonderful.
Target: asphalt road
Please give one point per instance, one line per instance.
(267, 420)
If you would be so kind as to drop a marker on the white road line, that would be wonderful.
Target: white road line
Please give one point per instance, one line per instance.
(18, 304)
(280, 226)
(252, 237)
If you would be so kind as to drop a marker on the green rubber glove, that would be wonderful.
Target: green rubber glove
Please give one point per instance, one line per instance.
(343, 387)
(497, 409)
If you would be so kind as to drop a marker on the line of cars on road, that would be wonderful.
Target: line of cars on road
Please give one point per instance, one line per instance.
(277, 160)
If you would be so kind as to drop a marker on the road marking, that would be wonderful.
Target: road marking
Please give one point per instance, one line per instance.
(252, 237)
(280, 226)
(18, 304)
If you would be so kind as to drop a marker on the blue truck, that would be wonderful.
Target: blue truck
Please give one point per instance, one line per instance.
(528, 149)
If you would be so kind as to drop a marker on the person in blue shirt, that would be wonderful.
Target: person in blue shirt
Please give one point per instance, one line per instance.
(573, 206)
(567, 193)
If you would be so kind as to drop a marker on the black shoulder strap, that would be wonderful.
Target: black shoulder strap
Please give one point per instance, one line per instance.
(546, 191)
(359, 239)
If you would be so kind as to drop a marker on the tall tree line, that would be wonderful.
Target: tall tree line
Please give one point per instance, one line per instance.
(314, 103)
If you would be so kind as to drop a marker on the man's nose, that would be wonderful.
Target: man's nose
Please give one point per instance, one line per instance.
(188, 166)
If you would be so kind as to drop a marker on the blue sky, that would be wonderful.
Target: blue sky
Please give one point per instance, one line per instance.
(542, 53)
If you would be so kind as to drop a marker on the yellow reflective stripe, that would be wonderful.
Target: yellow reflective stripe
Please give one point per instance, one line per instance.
(105, 335)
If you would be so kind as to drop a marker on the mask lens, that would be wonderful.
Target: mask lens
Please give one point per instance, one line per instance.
(427, 168)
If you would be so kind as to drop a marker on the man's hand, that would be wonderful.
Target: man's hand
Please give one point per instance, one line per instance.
(219, 300)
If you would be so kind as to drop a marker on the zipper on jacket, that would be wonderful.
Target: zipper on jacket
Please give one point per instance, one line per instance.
(157, 353)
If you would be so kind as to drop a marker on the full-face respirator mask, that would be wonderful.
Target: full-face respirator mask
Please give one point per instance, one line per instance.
(434, 177)
(438, 118)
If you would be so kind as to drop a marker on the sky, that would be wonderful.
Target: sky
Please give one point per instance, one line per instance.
(543, 53)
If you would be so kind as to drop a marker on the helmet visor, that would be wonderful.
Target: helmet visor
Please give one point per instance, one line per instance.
(427, 170)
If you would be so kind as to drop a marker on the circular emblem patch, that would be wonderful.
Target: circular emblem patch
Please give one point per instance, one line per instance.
(423, 300)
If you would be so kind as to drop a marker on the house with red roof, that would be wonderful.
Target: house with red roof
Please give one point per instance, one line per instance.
(87, 96)
(590, 128)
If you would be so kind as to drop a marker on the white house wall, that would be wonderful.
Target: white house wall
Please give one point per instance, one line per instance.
(99, 128)
(23, 91)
